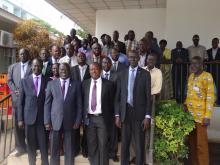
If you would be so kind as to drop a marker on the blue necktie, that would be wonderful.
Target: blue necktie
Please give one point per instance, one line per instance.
(131, 87)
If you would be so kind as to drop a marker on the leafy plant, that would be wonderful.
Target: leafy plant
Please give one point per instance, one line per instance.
(172, 127)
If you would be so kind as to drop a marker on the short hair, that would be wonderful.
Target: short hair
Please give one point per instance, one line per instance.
(96, 44)
(66, 65)
(163, 41)
(134, 52)
(116, 48)
(144, 40)
(198, 58)
(154, 54)
(131, 31)
(215, 39)
(38, 60)
(103, 35)
(44, 48)
(107, 58)
(25, 51)
(96, 64)
(195, 36)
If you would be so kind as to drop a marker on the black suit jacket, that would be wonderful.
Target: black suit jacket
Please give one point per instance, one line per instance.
(31, 106)
(75, 73)
(210, 57)
(121, 67)
(48, 72)
(141, 94)
(60, 112)
(107, 99)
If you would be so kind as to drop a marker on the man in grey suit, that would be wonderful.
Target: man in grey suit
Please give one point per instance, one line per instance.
(31, 112)
(117, 66)
(16, 72)
(132, 108)
(63, 113)
(108, 74)
(98, 114)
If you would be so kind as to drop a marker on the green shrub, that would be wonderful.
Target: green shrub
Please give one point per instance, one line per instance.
(172, 127)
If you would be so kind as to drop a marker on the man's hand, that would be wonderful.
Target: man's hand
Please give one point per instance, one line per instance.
(21, 124)
(179, 60)
(17, 92)
(146, 124)
(76, 126)
(206, 122)
(48, 127)
(118, 121)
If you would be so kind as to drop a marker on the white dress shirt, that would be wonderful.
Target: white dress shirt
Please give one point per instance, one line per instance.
(54, 61)
(39, 82)
(98, 96)
(104, 74)
(115, 63)
(66, 59)
(66, 85)
(82, 70)
(214, 52)
(24, 69)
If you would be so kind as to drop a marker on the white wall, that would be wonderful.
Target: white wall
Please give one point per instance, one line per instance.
(188, 17)
(139, 20)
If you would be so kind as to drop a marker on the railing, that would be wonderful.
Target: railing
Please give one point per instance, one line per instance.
(6, 128)
(179, 74)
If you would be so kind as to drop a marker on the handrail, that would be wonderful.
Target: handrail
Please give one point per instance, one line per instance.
(5, 98)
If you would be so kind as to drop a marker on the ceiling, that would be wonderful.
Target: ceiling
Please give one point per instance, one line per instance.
(83, 12)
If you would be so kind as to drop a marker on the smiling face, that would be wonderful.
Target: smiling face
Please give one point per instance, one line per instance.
(133, 58)
(64, 71)
(106, 64)
(37, 66)
(95, 70)
(24, 55)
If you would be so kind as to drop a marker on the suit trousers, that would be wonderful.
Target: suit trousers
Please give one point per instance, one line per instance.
(97, 140)
(132, 128)
(36, 136)
(19, 134)
(113, 141)
(198, 145)
(69, 146)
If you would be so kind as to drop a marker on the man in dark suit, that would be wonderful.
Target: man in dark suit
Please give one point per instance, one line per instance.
(98, 107)
(121, 45)
(117, 66)
(63, 113)
(31, 112)
(113, 139)
(96, 55)
(80, 72)
(16, 72)
(214, 57)
(55, 54)
(47, 66)
(132, 108)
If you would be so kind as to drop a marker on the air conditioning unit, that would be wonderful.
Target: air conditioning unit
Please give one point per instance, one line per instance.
(6, 39)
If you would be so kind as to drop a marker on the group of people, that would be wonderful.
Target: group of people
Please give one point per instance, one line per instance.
(106, 91)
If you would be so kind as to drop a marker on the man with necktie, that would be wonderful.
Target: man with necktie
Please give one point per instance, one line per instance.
(16, 72)
(63, 113)
(31, 112)
(132, 108)
(98, 114)
(47, 66)
(117, 66)
(108, 74)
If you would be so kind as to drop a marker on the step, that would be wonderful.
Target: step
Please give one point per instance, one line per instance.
(23, 160)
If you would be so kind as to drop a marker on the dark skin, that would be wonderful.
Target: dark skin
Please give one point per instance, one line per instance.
(81, 58)
(95, 71)
(215, 43)
(63, 52)
(103, 39)
(142, 47)
(151, 61)
(131, 35)
(115, 36)
(96, 48)
(69, 50)
(73, 33)
(89, 38)
(24, 56)
(106, 64)
(195, 40)
(55, 70)
(36, 67)
(133, 59)
(44, 55)
(56, 52)
(108, 40)
(197, 69)
(115, 55)
(94, 40)
(85, 43)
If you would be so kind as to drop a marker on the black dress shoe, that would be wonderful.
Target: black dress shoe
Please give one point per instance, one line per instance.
(20, 153)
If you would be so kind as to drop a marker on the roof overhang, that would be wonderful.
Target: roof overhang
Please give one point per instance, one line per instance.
(83, 12)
